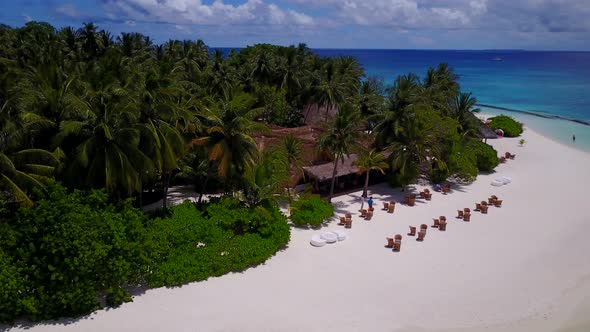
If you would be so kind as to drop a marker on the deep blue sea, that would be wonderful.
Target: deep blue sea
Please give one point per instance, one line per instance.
(548, 83)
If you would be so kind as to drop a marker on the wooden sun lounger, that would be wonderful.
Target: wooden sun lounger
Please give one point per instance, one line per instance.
(348, 223)
(498, 203)
(389, 242)
(412, 231)
(385, 206)
(421, 235)
(467, 216)
(477, 207)
(460, 214)
(428, 196)
(484, 209)
(342, 221)
(443, 225)
(391, 208)
(397, 243)
(369, 215)
(502, 160)
(436, 223)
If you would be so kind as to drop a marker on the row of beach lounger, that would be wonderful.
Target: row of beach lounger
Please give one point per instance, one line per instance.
(441, 223)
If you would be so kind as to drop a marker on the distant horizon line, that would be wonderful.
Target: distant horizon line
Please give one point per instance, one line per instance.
(412, 49)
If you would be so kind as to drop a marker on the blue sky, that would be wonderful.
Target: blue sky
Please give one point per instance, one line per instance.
(397, 24)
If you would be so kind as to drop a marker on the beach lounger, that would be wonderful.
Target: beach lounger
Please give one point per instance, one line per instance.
(484, 209)
(385, 206)
(397, 243)
(391, 208)
(459, 214)
(389, 242)
(421, 235)
(467, 216)
(443, 225)
(436, 223)
(466, 210)
(491, 201)
(422, 194)
(428, 196)
(502, 160)
(498, 203)
(348, 215)
(363, 213)
(446, 189)
(477, 207)
(412, 231)
(342, 221)
(507, 155)
(348, 223)
(369, 215)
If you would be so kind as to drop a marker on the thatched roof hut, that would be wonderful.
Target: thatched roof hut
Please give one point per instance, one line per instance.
(485, 131)
(323, 172)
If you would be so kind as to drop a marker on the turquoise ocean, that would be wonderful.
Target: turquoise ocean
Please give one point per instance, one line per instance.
(547, 91)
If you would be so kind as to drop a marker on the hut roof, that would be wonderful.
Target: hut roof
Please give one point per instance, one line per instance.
(324, 171)
(484, 130)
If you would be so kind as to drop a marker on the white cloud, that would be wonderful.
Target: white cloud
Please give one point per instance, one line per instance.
(196, 12)
(27, 18)
(68, 10)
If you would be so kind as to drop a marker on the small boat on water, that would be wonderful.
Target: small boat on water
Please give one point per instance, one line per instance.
(497, 59)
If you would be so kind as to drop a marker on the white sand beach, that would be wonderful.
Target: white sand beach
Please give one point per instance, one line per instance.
(522, 267)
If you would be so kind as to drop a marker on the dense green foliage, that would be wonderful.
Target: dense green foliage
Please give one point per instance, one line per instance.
(487, 156)
(69, 251)
(511, 127)
(310, 210)
(122, 113)
(192, 245)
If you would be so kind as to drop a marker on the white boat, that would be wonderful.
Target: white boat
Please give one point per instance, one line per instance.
(497, 59)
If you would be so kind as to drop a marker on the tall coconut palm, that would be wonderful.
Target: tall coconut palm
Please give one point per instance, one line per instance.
(228, 139)
(292, 147)
(464, 104)
(340, 138)
(370, 161)
(416, 143)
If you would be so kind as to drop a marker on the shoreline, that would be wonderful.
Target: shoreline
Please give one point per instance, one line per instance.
(537, 114)
(519, 268)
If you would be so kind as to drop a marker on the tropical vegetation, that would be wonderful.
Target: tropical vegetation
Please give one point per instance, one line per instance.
(94, 126)
(509, 126)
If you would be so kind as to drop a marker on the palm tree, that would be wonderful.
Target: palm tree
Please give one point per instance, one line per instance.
(340, 138)
(463, 107)
(371, 161)
(24, 170)
(402, 100)
(228, 139)
(416, 144)
(292, 148)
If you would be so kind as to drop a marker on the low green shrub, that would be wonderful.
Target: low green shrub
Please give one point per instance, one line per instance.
(310, 210)
(67, 252)
(511, 127)
(486, 156)
(192, 245)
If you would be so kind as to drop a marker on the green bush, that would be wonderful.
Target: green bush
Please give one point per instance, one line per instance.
(487, 157)
(438, 175)
(511, 127)
(192, 245)
(463, 162)
(68, 252)
(310, 210)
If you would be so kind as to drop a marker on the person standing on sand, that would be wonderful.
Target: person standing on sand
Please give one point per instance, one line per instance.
(574, 138)
(362, 203)
(370, 201)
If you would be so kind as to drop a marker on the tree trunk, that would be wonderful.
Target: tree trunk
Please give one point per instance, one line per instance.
(140, 192)
(166, 181)
(203, 188)
(366, 184)
(333, 180)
